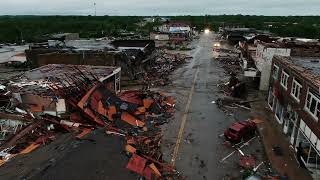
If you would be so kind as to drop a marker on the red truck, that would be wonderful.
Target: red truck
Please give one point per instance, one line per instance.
(241, 130)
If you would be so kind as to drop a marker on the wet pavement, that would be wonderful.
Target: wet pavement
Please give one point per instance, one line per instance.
(192, 141)
(95, 157)
(273, 136)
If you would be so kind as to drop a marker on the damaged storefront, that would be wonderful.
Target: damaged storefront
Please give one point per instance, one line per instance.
(276, 104)
(291, 124)
(285, 115)
(308, 149)
(294, 99)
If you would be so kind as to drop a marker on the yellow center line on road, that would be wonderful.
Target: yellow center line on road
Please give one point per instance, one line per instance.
(184, 120)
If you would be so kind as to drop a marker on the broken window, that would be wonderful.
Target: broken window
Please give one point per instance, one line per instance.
(279, 112)
(271, 99)
(275, 71)
(312, 105)
(296, 90)
(284, 79)
(309, 147)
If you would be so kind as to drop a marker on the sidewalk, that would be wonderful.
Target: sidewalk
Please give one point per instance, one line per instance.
(273, 136)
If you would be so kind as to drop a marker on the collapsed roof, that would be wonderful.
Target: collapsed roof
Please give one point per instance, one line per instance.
(40, 79)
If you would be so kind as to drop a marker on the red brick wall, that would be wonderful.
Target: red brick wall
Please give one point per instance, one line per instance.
(288, 99)
(97, 59)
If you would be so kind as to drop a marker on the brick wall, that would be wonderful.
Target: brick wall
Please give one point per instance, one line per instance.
(97, 59)
(285, 97)
(310, 51)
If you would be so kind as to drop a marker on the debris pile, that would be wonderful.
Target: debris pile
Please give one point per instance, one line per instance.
(248, 150)
(163, 66)
(27, 136)
(134, 115)
(229, 58)
(234, 96)
(230, 64)
(4, 100)
(247, 162)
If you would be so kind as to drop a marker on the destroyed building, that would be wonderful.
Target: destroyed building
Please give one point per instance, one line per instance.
(146, 46)
(33, 89)
(88, 44)
(267, 38)
(64, 46)
(263, 60)
(133, 56)
(12, 54)
(294, 99)
(234, 35)
(56, 98)
(77, 58)
(302, 47)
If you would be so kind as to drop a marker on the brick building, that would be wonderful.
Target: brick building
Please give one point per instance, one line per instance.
(294, 97)
(133, 56)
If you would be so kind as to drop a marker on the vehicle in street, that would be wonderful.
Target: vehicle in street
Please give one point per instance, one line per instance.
(216, 46)
(241, 130)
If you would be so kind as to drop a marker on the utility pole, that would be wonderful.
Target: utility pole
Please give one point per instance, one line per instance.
(95, 9)
(21, 36)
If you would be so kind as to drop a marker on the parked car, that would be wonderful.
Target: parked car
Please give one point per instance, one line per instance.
(241, 130)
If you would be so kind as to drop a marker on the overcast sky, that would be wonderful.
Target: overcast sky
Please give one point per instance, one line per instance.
(159, 7)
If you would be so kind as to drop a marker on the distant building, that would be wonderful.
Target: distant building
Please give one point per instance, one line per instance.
(160, 36)
(154, 19)
(175, 31)
(149, 19)
(65, 36)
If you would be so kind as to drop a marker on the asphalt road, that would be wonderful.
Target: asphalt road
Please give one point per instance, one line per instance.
(192, 141)
(97, 157)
